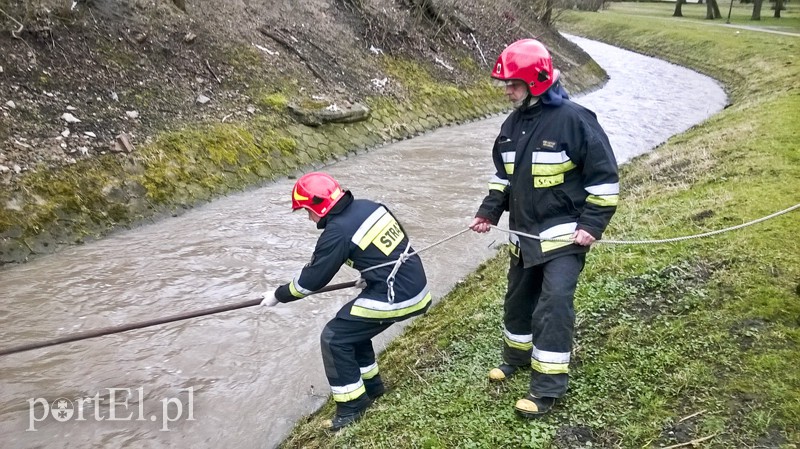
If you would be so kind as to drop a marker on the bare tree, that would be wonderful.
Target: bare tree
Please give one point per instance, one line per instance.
(756, 10)
(678, 12)
(709, 11)
(778, 8)
(715, 5)
(712, 10)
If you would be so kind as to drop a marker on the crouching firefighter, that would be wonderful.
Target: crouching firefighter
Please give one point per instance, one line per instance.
(361, 234)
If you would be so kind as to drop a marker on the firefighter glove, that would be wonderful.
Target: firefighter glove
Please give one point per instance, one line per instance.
(269, 299)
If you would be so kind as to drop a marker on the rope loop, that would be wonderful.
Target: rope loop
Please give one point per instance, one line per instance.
(390, 280)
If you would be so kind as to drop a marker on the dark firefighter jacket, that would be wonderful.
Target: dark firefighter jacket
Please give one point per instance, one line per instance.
(555, 173)
(362, 234)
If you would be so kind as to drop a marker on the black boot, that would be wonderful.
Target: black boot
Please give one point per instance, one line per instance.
(340, 421)
(347, 413)
(532, 406)
(375, 387)
(503, 372)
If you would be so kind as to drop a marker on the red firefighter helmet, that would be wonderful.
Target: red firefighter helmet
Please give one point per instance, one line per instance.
(317, 192)
(527, 60)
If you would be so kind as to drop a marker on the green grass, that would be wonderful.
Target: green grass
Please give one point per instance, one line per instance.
(740, 13)
(675, 342)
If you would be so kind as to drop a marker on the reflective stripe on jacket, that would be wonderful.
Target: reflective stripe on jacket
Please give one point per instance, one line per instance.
(363, 234)
(555, 173)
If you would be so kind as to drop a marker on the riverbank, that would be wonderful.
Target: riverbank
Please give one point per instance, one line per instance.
(113, 115)
(697, 340)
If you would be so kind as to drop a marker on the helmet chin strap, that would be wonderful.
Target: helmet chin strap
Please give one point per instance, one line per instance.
(526, 102)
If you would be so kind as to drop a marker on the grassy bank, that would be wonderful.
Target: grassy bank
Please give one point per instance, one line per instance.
(698, 340)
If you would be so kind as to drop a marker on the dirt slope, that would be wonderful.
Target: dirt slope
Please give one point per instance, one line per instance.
(88, 79)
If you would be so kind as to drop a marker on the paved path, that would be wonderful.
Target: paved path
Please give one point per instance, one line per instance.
(752, 28)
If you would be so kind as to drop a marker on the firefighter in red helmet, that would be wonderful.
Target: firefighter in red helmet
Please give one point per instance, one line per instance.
(362, 234)
(556, 175)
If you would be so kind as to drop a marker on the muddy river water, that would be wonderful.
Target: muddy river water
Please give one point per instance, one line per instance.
(243, 378)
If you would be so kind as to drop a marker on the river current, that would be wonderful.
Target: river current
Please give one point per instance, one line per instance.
(243, 378)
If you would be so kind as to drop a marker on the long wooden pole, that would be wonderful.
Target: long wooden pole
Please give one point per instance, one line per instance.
(155, 322)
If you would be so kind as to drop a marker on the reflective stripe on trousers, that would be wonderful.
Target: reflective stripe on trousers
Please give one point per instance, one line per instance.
(349, 358)
(539, 305)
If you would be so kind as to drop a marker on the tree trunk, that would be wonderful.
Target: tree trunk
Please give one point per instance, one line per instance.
(709, 10)
(778, 7)
(756, 10)
(678, 12)
(714, 4)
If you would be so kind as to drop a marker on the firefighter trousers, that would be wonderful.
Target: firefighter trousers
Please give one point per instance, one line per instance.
(539, 321)
(349, 360)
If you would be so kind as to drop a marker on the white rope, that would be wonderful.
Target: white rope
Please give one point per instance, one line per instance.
(669, 240)
(390, 280)
(405, 256)
(418, 251)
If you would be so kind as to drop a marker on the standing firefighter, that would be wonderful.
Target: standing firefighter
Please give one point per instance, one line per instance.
(557, 176)
(361, 234)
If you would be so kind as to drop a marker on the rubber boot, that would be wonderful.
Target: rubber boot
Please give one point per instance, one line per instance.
(375, 387)
(532, 407)
(347, 413)
(503, 372)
